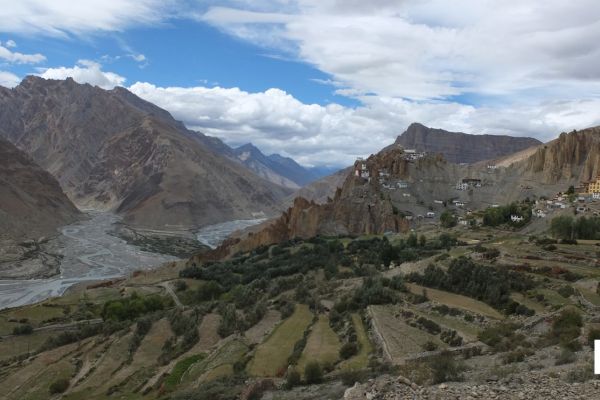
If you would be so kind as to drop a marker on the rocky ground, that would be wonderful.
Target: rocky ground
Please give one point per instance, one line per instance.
(180, 246)
(530, 386)
(28, 260)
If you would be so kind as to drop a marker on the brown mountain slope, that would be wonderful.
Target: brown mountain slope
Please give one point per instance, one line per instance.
(32, 203)
(113, 150)
(320, 190)
(458, 147)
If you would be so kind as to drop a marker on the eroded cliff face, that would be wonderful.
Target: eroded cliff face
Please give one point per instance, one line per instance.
(572, 157)
(358, 207)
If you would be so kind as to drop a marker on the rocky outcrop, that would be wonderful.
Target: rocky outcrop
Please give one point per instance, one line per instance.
(572, 157)
(112, 150)
(358, 207)
(458, 147)
(530, 386)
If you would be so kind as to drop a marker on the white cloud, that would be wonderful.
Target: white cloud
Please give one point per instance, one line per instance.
(8, 79)
(434, 49)
(85, 71)
(15, 57)
(334, 135)
(63, 17)
(138, 57)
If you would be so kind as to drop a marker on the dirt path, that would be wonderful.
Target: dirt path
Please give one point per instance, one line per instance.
(171, 293)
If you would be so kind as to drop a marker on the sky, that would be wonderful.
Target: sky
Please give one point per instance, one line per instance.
(324, 81)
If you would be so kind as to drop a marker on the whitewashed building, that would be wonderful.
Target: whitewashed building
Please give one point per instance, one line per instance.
(516, 218)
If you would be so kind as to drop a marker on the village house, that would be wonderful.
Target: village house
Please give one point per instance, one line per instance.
(360, 169)
(412, 154)
(516, 218)
(540, 213)
(592, 186)
(473, 182)
(462, 186)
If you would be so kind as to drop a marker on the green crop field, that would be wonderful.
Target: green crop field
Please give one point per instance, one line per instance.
(272, 355)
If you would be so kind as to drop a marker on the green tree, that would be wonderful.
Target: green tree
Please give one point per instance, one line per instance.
(562, 227)
(447, 219)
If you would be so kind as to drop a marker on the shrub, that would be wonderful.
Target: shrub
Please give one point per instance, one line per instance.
(566, 356)
(593, 334)
(313, 373)
(348, 350)
(180, 286)
(429, 325)
(429, 346)
(59, 386)
(292, 378)
(580, 375)
(566, 291)
(350, 377)
(516, 356)
(23, 329)
(444, 368)
(566, 327)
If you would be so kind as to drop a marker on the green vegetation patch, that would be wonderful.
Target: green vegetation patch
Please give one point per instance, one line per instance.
(180, 368)
(323, 344)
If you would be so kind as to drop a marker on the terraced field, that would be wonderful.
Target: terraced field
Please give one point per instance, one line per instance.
(323, 344)
(218, 364)
(361, 360)
(456, 300)
(400, 340)
(271, 356)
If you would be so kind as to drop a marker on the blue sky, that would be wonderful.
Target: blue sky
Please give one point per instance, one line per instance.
(184, 53)
(323, 81)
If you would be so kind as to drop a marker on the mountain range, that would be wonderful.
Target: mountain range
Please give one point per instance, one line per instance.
(112, 150)
(458, 147)
(389, 189)
(275, 168)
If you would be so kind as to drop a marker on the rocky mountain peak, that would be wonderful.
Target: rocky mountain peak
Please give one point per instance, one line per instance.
(459, 147)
